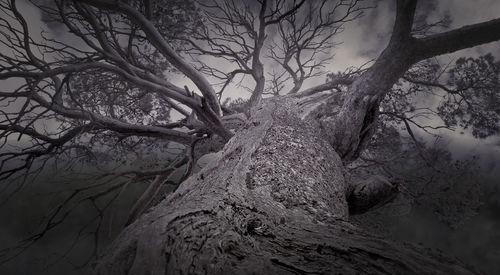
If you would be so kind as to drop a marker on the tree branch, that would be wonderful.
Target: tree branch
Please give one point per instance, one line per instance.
(405, 12)
(326, 86)
(458, 39)
(159, 42)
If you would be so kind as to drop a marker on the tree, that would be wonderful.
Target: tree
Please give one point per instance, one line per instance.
(277, 197)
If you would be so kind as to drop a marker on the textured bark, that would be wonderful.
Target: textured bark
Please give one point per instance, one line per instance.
(272, 202)
(355, 124)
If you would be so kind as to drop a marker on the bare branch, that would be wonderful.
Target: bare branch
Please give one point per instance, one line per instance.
(333, 84)
(154, 187)
(458, 39)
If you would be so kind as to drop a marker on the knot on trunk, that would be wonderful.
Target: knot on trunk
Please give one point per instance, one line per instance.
(370, 194)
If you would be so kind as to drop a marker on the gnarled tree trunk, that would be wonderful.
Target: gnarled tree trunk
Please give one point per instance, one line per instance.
(273, 201)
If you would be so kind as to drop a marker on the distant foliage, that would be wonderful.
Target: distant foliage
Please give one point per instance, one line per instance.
(466, 95)
(476, 98)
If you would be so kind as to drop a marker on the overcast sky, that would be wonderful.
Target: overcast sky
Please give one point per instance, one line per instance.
(364, 39)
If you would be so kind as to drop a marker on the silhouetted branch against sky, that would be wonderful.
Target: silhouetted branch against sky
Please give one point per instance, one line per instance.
(134, 69)
(80, 77)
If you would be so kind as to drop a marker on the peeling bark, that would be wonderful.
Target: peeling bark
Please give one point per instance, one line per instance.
(274, 201)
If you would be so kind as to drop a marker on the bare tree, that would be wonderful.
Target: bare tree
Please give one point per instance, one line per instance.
(304, 38)
(277, 198)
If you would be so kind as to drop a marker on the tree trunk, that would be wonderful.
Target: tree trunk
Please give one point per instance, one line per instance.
(273, 201)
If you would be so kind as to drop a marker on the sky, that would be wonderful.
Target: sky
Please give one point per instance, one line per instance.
(362, 41)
